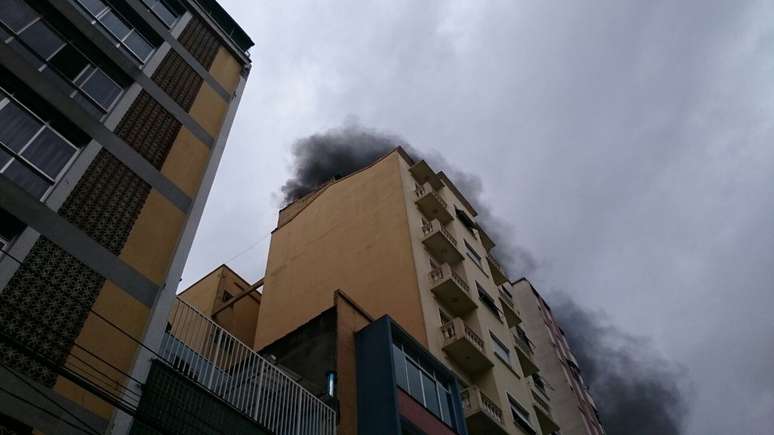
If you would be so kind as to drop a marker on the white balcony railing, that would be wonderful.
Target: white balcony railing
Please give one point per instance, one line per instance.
(206, 353)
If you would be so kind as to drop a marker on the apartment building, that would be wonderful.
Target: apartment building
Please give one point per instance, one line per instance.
(114, 115)
(401, 242)
(572, 405)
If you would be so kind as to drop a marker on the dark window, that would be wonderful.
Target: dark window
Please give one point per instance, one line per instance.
(33, 158)
(102, 89)
(41, 39)
(400, 367)
(520, 415)
(466, 220)
(115, 25)
(139, 45)
(16, 126)
(414, 381)
(93, 6)
(49, 153)
(473, 253)
(69, 62)
(26, 178)
(487, 300)
(500, 349)
(165, 13)
(431, 394)
(16, 14)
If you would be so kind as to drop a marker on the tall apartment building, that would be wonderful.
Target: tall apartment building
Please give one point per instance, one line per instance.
(114, 115)
(572, 406)
(421, 320)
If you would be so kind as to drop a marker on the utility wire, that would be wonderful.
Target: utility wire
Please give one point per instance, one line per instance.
(23, 400)
(40, 393)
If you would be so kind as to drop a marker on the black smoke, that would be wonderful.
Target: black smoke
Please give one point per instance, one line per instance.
(637, 392)
(336, 153)
(339, 152)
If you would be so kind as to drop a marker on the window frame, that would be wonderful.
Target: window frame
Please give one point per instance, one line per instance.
(499, 345)
(8, 98)
(96, 20)
(518, 410)
(440, 386)
(488, 301)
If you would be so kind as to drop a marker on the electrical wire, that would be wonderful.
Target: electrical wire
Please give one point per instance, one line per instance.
(52, 401)
(23, 400)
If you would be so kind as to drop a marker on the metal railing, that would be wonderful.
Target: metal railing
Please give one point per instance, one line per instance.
(441, 273)
(429, 228)
(209, 355)
(474, 396)
(452, 328)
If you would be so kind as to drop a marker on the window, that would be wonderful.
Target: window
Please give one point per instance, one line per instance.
(226, 296)
(32, 154)
(473, 255)
(163, 11)
(520, 414)
(128, 37)
(50, 53)
(10, 227)
(500, 349)
(487, 300)
(16, 14)
(422, 383)
(467, 221)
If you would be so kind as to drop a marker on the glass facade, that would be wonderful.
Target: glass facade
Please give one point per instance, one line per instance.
(422, 383)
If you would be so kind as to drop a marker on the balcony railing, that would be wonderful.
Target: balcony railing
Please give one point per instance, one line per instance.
(464, 346)
(441, 273)
(440, 243)
(432, 205)
(476, 404)
(209, 355)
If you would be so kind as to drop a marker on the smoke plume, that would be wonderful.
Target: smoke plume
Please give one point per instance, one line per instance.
(336, 153)
(637, 392)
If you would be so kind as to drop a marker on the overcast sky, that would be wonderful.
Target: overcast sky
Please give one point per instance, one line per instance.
(630, 144)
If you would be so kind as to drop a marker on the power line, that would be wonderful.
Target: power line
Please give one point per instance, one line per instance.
(22, 399)
(40, 393)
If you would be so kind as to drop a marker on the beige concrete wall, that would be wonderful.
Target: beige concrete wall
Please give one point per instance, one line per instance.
(186, 162)
(354, 236)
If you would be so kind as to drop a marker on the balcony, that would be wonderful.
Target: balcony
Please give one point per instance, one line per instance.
(464, 346)
(485, 239)
(423, 173)
(482, 414)
(207, 354)
(512, 314)
(524, 351)
(451, 290)
(498, 273)
(431, 205)
(440, 243)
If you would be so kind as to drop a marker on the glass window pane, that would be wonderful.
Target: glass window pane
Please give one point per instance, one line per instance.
(415, 382)
(41, 39)
(4, 158)
(102, 88)
(164, 13)
(431, 396)
(93, 6)
(69, 61)
(446, 407)
(88, 105)
(27, 179)
(138, 45)
(16, 14)
(49, 153)
(400, 367)
(115, 25)
(17, 126)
